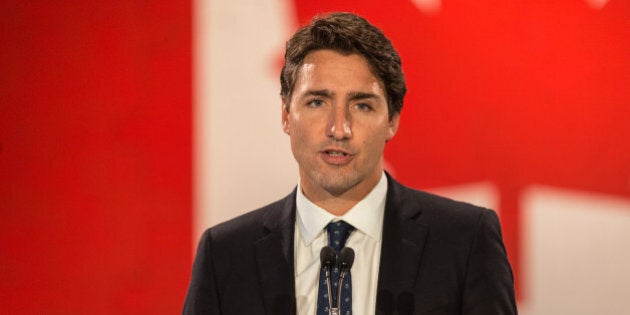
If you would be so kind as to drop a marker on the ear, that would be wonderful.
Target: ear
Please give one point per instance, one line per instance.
(392, 127)
(285, 117)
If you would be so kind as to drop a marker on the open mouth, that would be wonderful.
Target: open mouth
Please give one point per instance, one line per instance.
(336, 157)
(335, 153)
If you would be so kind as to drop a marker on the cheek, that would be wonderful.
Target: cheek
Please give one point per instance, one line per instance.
(307, 127)
(379, 131)
(377, 140)
(299, 136)
(375, 143)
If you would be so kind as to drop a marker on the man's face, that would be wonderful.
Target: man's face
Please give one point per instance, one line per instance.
(338, 123)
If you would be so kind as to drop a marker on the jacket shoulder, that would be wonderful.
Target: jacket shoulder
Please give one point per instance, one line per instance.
(439, 213)
(255, 223)
(435, 204)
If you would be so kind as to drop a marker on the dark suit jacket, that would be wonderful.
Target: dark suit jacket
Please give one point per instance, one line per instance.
(438, 256)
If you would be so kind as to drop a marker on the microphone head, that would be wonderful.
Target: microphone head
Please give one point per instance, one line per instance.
(327, 256)
(346, 258)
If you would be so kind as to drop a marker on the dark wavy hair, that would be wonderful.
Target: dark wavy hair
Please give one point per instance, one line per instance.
(348, 34)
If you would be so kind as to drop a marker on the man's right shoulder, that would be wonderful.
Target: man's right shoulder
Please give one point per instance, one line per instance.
(254, 223)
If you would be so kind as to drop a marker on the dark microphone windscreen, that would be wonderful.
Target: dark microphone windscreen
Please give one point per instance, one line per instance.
(346, 258)
(327, 256)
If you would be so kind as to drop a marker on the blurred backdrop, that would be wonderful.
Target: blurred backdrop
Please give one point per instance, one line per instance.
(128, 127)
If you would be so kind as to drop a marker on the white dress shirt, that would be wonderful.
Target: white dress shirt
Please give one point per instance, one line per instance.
(310, 236)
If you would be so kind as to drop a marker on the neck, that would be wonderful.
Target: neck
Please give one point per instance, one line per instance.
(336, 206)
(339, 203)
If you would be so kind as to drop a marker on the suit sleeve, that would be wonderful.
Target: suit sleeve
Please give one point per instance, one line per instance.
(202, 296)
(489, 285)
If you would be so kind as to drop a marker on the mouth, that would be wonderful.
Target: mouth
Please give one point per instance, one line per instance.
(336, 157)
(335, 153)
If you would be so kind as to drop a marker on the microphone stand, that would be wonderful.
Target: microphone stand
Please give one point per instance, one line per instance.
(331, 310)
(346, 259)
(328, 259)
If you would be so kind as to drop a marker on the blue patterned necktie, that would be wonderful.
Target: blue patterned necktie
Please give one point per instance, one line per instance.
(338, 233)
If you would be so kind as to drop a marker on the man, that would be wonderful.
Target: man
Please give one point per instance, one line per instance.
(415, 253)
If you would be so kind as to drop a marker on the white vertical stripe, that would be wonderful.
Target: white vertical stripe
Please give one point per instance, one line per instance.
(242, 158)
(576, 252)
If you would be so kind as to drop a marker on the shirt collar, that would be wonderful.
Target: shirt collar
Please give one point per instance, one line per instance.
(366, 216)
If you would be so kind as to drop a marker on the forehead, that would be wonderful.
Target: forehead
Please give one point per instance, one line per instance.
(329, 67)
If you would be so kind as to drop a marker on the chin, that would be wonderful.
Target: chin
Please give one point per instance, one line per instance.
(337, 184)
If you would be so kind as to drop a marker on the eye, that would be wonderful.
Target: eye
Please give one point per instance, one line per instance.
(315, 103)
(364, 107)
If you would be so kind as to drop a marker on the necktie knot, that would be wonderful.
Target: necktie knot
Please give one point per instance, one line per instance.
(338, 233)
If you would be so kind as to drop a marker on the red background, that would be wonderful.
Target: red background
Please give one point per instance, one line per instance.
(95, 157)
(95, 133)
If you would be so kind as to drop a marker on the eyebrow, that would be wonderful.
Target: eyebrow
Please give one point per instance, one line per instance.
(322, 93)
(361, 96)
(352, 96)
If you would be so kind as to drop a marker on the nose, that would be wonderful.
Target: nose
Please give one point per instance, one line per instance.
(339, 123)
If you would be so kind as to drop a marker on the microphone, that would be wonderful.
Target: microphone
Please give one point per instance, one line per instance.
(328, 259)
(346, 259)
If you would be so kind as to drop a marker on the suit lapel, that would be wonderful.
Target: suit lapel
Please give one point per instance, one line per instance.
(274, 256)
(403, 242)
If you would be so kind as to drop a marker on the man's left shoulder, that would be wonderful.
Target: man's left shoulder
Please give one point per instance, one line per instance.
(434, 209)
